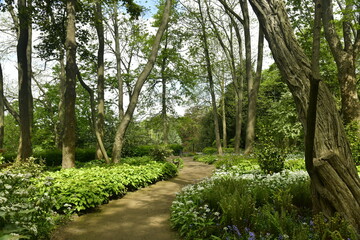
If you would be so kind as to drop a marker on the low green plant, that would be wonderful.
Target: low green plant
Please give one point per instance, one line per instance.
(209, 150)
(80, 189)
(25, 210)
(160, 153)
(271, 159)
(209, 159)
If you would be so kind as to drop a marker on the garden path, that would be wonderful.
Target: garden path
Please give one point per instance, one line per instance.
(139, 215)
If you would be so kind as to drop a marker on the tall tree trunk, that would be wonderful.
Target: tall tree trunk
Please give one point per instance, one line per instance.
(61, 107)
(118, 63)
(164, 93)
(2, 115)
(24, 150)
(345, 58)
(210, 79)
(69, 137)
(253, 95)
(249, 78)
(99, 138)
(223, 113)
(335, 181)
(100, 120)
(124, 123)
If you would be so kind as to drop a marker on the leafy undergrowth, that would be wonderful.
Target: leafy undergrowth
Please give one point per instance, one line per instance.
(31, 199)
(243, 203)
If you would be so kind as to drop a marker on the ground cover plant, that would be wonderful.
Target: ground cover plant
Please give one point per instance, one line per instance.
(240, 203)
(31, 198)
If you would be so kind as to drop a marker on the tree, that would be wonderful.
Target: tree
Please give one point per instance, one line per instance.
(24, 78)
(124, 123)
(204, 39)
(345, 54)
(2, 115)
(69, 137)
(334, 180)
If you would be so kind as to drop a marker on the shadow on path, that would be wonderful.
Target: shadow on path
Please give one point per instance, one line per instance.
(140, 215)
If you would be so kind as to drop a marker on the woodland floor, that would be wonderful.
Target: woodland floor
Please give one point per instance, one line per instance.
(139, 215)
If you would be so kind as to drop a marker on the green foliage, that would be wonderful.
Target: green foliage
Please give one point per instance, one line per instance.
(176, 148)
(80, 189)
(160, 153)
(25, 211)
(235, 206)
(209, 159)
(352, 132)
(209, 150)
(271, 159)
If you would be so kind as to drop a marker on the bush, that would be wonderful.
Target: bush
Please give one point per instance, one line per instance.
(209, 150)
(176, 148)
(25, 211)
(209, 159)
(160, 153)
(271, 159)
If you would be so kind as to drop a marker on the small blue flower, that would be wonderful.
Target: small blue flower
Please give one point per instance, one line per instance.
(237, 230)
(251, 236)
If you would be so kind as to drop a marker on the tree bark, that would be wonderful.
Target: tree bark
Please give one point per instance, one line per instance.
(253, 95)
(99, 138)
(118, 63)
(69, 137)
(249, 78)
(164, 93)
(100, 120)
(2, 115)
(124, 123)
(24, 150)
(335, 181)
(345, 58)
(61, 107)
(210, 79)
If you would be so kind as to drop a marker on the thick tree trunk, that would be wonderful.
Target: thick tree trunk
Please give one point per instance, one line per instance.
(2, 104)
(69, 137)
(24, 150)
(124, 123)
(210, 79)
(100, 120)
(335, 181)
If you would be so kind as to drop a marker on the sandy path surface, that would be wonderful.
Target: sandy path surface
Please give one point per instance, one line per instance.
(140, 215)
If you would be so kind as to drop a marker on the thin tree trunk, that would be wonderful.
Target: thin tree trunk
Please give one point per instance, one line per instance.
(121, 129)
(164, 94)
(24, 150)
(249, 78)
(100, 120)
(99, 138)
(223, 113)
(210, 79)
(118, 63)
(335, 181)
(253, 95)
(345, 58)
(2, 115)
(69, 137)
(61, 107)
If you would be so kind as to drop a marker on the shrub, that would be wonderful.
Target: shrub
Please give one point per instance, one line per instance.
(209, 159)
(271, 159)
(209, 150)
(176, 148)
(142, 150)
(160, 153)
(25, 211)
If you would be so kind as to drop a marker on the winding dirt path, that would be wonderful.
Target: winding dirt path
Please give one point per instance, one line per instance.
(140, 215)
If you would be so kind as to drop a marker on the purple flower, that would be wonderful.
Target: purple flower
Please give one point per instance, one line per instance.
(237, 230)
(251, 236)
